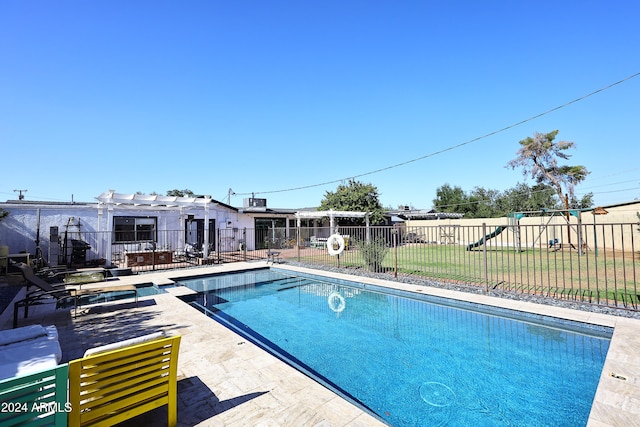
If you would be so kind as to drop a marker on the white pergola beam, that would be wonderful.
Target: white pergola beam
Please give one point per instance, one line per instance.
(112, 198)
(330, 213)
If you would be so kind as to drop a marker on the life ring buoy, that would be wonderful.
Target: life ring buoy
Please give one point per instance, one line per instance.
(332, 241)
(336, 302)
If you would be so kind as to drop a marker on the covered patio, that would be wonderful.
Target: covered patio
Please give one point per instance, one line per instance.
(332, 215)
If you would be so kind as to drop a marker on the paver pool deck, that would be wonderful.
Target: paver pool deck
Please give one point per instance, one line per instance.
(224, 380)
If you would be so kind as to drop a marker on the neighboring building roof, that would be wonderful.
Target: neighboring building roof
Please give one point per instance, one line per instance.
(39, 202)
(331, 213)
(617, 205)
(427, 214)
(264, 210)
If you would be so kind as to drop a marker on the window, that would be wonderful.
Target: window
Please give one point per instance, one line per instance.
(134, 229)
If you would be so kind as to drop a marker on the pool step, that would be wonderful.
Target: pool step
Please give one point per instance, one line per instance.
(298, 282)
(283, 283)
(279, 281)
(261, 288)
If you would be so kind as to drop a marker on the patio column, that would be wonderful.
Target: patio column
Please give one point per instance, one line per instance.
(109, 231)
(181, 241)
(100, 240)
(331, 221)
(273, 231)
(205, 249)
(286, 227)
(366, 218)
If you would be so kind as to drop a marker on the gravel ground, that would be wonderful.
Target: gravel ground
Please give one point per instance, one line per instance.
(539, 299)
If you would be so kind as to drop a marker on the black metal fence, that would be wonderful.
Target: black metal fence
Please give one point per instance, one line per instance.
(587, 263)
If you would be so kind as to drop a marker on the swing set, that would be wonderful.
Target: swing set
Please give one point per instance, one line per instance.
(555, 243)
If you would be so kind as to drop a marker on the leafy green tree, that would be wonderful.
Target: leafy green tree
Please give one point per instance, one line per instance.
(355, 196)
(484, 203)
(523, 198)
(451, 199)
(585, 202)
(180, 193)
(543, 197)
(538, 157)
(489, 203)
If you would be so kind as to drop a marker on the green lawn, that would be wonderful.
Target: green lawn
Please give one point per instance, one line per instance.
(605, 278)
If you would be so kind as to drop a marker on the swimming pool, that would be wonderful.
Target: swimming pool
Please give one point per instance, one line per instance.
(413, 359)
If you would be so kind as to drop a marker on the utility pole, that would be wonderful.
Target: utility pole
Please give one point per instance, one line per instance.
(20, 196)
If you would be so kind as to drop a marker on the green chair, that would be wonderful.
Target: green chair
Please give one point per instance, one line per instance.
(35, 399)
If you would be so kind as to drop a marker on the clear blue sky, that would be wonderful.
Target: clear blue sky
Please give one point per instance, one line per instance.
(265, 96)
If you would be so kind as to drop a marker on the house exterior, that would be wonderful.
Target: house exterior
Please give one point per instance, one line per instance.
(118, 223)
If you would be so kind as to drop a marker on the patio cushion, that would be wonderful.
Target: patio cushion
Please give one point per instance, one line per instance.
(30, 355)
(126, 343)
(11, 336)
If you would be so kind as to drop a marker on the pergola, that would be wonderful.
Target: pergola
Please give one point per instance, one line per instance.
(110, 199)
(332, 216)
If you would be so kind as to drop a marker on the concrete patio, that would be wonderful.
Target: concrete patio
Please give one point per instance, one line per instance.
(227, 381)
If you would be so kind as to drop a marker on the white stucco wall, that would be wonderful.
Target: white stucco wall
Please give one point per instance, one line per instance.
(19, 229)
(91, 223)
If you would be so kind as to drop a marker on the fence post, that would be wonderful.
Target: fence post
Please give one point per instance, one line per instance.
(244, 245)
(298, 238)
(218, 246)
(484, 256)
(395, 251)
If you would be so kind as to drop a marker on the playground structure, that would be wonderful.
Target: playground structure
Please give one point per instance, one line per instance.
(491, 235)
(554, 230)
(572, 230)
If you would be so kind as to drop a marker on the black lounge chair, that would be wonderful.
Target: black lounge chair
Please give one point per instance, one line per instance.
(62, 294)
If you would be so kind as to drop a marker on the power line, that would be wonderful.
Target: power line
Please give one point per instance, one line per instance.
(626, 172)
(612, 183)
(617, 191)
(453, 147)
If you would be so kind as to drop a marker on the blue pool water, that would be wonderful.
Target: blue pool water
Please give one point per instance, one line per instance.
(416, 360)
(144, 290)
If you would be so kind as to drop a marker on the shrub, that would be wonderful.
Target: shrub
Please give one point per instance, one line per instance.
(373, 252)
